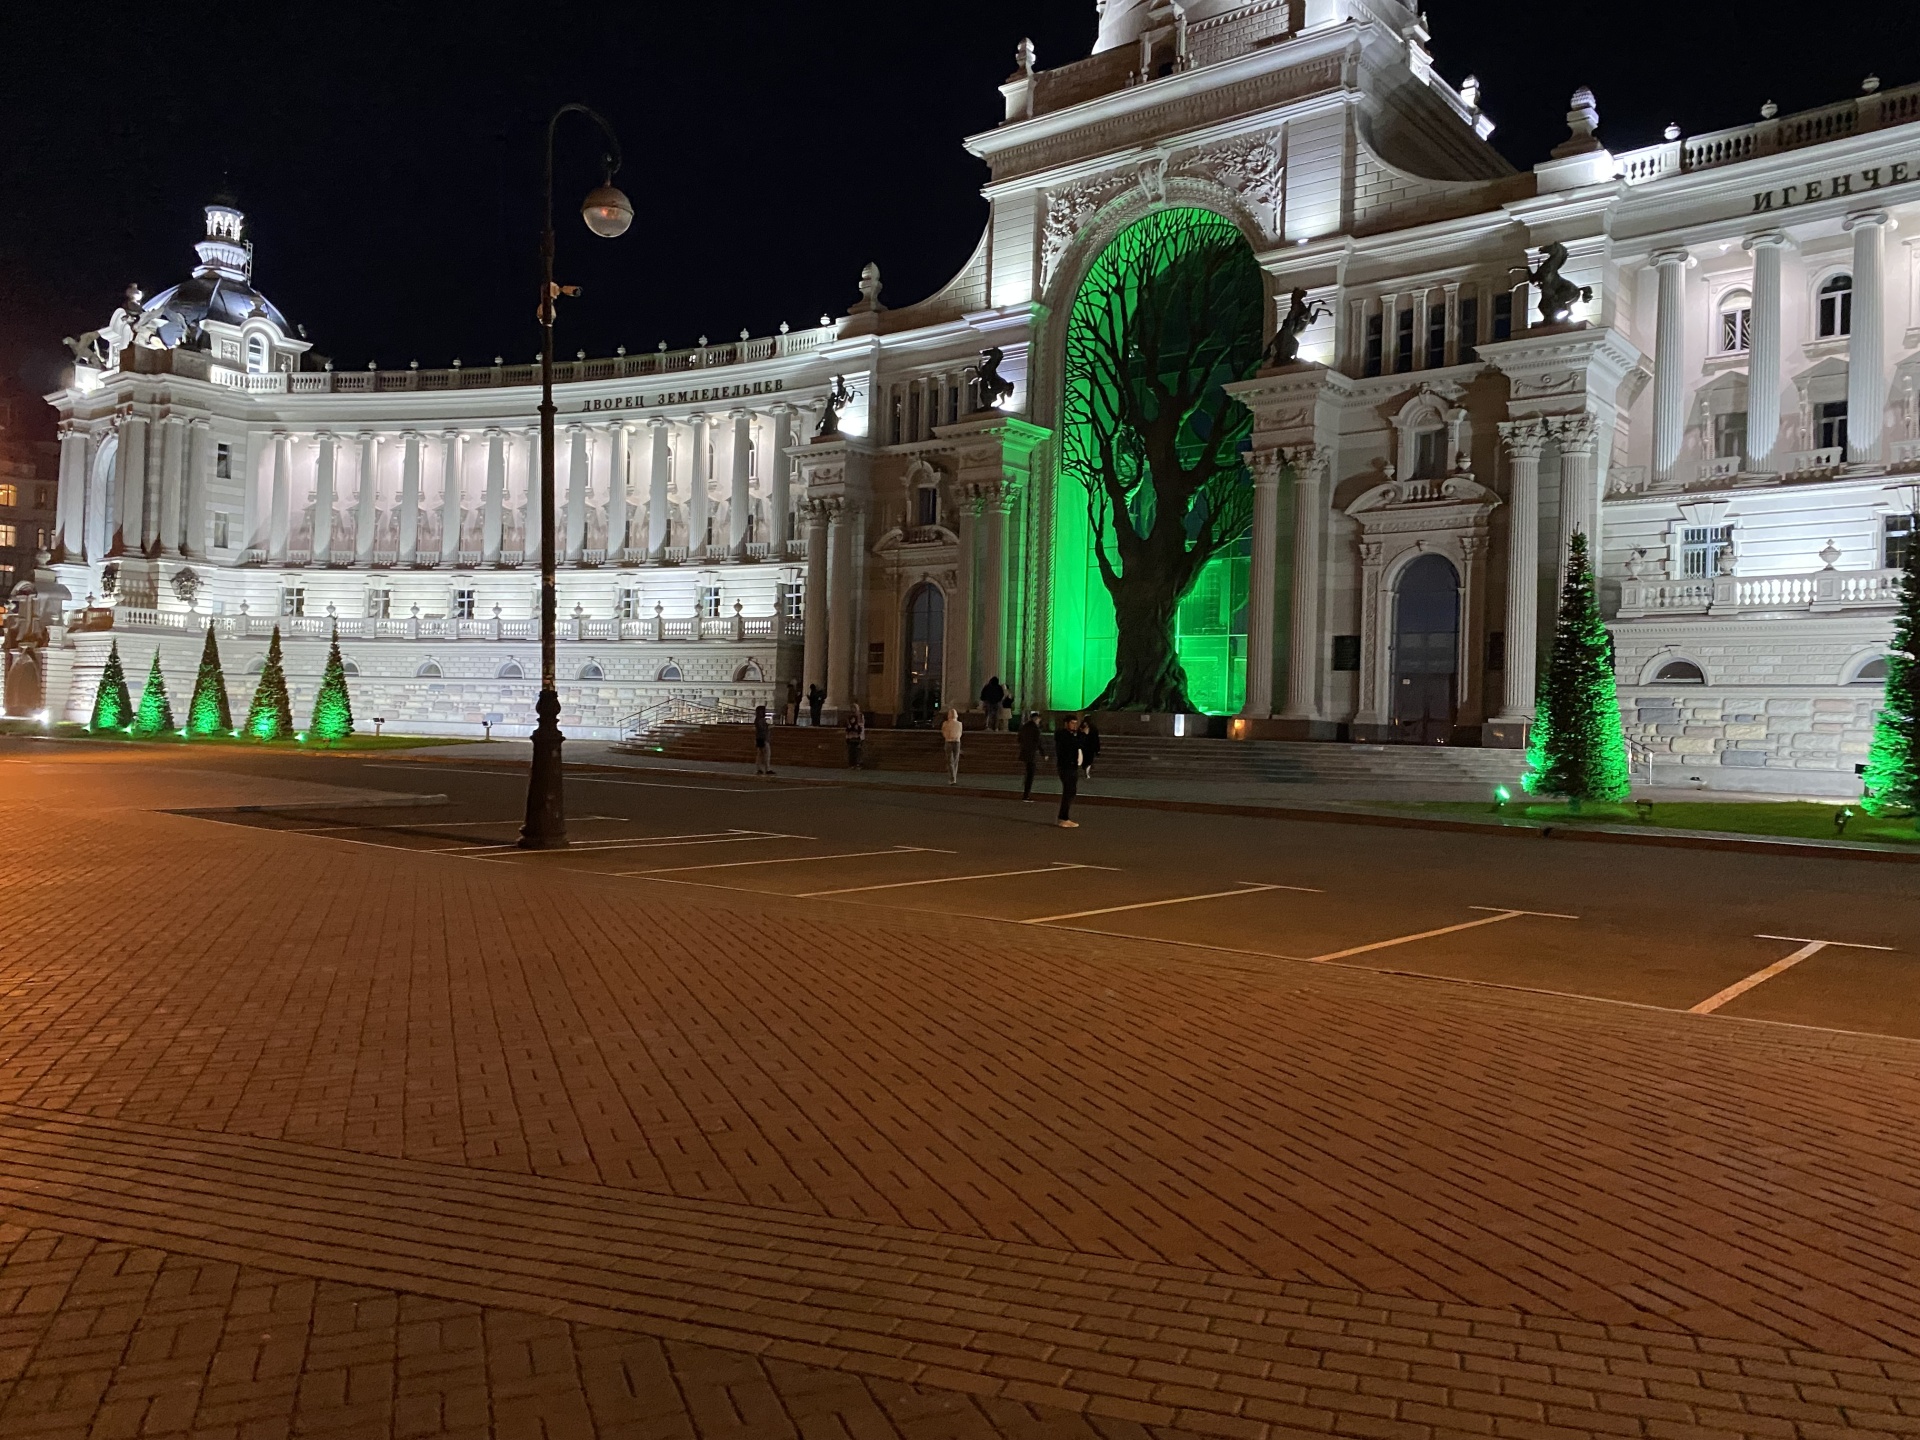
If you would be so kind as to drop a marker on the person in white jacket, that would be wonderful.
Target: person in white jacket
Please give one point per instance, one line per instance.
(950, 731)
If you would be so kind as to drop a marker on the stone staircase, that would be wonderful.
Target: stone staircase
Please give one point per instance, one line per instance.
(1122, 757)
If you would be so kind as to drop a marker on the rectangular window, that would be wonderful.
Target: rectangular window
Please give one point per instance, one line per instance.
(9, 495)
(1430, 454)
(1895, 540)
(953, 404)
(42, 497)
(894, 428)
(1469, 328)
(1346, 652)
(877, 658)
(1734, 325)
(913, 415)
(629, 603)
(1830, 425)
(709, 540)
(710, 601)
(222, 530)
(1403, 341)
(463, 604)
(927, 511)
(1370, 361)
(1836, 308)
(1503, 315)
(293, 600)
(1436, 337)
(223, 462)
(793, 601)
(379, 604)
(9, 534)
(1706, 551)
(1730, 435)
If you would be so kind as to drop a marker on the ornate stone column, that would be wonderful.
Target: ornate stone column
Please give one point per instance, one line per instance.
(658, 503)
(1524, 440)
(699, 496)
(491, 520)
(1763, 351)
(449, 497)
(739, 500)
(1374, 678)
(1578, 439)
(1866, 347)
(193, 524)
(814, 602)
(993, 585)
(409, 496)
(1309, 465)
(279, 511)
(779, 479)
(164, 538)
(576, 493)
(70, 542)
(961, 684)
(1266, 465)
(365, 514)
(1669, 363)
(130, 476)
(323, 500)
(841, 583)
(617, 493)
(530, 540)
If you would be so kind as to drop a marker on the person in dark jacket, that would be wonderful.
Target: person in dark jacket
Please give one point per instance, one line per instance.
(1032, 750)
(1066, 760)
(762, 741)
(856, 737)
(816, 697)
(1089, 745)
(993, 695)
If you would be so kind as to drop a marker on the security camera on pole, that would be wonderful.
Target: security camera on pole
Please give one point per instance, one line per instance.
(608, 213)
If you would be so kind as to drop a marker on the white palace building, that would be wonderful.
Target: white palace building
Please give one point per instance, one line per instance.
(1730, 412)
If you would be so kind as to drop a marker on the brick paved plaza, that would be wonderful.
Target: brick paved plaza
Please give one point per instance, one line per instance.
(306, 1136)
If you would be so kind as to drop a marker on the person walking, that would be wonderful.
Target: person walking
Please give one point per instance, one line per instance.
(950, 732)
(762, 741)
(816, 697)
(1032, 749)
(993, 695)
(856, 738)
(1066, 760)
(1089, 745)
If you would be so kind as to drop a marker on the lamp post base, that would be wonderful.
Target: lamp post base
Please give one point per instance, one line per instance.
(546, 823)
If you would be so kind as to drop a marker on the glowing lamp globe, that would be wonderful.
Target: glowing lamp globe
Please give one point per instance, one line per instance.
(607, 212)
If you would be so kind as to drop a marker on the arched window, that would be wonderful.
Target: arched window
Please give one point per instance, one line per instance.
(592, 671)
(429, 671)
(1736, 320)
(256, 354)
(750, 673)
(1836, 307)
(348, 667)
(1679, 672)
(753, 461)
(512, 671)
(669, 671)
(1874, 672)
(258, 667)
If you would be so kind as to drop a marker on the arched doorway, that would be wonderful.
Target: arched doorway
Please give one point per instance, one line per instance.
(1426, 650)
(925, 649)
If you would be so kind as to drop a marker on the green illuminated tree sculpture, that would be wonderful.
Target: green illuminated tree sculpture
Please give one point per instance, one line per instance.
(209, 712)
(155, 715)
(332, 707)
(112, 706)
(1891, 784)
(1169, 313)
(1577, 748)
(270, 717)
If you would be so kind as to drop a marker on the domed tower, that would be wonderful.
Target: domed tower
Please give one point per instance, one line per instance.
(218, 310)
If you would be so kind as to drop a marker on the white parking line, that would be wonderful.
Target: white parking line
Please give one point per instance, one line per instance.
(1760, 977)
(1247, 888)
(651, 842)
(1057, 866)
(787, 860)
(434, 825)
(1494, 919)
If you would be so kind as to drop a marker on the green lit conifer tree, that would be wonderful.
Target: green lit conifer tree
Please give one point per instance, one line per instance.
(155, 715)
(332, 707)
(209, 714)
(270, 717)
(112, 706)
(1891, 784)
(1578, 749)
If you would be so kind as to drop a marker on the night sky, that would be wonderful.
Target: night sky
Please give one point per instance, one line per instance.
(388, 155)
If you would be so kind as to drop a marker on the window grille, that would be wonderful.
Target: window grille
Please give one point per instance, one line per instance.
(1706, 551)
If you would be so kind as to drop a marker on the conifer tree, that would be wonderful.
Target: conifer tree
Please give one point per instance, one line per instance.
(155, 715)
(1892, 781)
(112, 706)
(332, 707)
(270, 717)
(209, 714)
(1578, 749)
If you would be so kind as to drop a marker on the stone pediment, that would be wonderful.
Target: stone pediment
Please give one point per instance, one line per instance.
(1417, 504)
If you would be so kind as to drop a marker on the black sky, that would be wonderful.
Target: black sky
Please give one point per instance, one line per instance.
(387, 154)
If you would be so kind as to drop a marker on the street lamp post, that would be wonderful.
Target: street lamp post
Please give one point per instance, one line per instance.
(607, 213)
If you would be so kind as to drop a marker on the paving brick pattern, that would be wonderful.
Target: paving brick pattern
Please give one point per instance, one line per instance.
(921, 1167)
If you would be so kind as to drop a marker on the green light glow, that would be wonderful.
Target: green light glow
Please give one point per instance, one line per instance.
(112, 705)
(333, 707)
(1892, 779)
(209, 713)
(1577, 748)
(270, 717)
(155, 715)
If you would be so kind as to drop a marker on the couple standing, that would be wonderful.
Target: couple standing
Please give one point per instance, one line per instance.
(1075, 744)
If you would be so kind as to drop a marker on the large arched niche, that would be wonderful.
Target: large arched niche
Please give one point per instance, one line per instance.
(1083, 629)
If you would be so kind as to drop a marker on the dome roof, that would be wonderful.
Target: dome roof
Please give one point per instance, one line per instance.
(221, 287)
